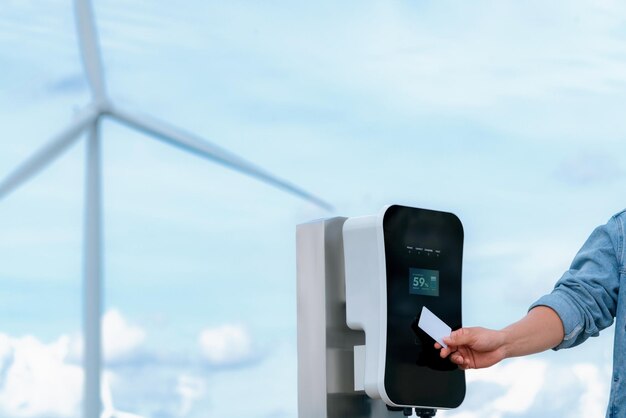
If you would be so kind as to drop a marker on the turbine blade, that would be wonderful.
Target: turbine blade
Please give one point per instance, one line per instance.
(105, 394)
(45, 155)
(90, 48)
(203, 148)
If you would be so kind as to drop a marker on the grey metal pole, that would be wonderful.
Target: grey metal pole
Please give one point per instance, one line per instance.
(92, 275)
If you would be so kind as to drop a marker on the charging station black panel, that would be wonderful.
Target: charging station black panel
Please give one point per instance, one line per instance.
(424, 255)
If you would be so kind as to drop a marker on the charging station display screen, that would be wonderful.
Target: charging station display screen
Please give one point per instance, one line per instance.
(423, 282)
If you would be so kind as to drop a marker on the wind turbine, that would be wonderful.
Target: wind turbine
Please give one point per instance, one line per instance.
(88, 121)
(108, 410)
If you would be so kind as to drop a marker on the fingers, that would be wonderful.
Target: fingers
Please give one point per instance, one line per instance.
(445, 351)
(463, 336)
(464, 363)
(458, 359)
(458, 355)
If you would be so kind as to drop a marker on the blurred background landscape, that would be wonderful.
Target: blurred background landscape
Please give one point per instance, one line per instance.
(508, 114)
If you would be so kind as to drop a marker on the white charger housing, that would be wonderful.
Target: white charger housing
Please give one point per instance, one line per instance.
(364, 259)
(397, 262)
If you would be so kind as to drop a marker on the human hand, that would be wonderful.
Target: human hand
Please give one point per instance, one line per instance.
(474, 348)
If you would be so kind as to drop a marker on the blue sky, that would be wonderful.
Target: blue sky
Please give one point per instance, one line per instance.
(508, 114)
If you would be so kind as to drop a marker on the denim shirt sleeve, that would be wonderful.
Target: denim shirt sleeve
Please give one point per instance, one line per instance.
(585, 298)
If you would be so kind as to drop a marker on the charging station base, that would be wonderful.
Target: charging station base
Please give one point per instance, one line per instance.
(325, 343)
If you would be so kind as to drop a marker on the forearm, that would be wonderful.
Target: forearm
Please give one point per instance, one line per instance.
(540, 330)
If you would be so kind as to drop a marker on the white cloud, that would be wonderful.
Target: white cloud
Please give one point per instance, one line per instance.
(120, 339)
(45, 380)
(534, 387)
(37, 380)
(523, 379)
(594, 395)
(226, 345)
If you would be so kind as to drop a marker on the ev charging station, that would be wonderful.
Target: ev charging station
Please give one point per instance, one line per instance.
(371, 290)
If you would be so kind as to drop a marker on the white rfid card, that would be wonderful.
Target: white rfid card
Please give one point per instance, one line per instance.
(433, 326)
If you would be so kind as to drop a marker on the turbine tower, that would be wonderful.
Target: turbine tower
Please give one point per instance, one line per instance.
(88, 121)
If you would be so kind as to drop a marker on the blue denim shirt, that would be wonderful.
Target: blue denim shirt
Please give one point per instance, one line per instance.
(587, 299)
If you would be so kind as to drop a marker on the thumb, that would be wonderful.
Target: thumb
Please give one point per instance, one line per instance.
(462, 336)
